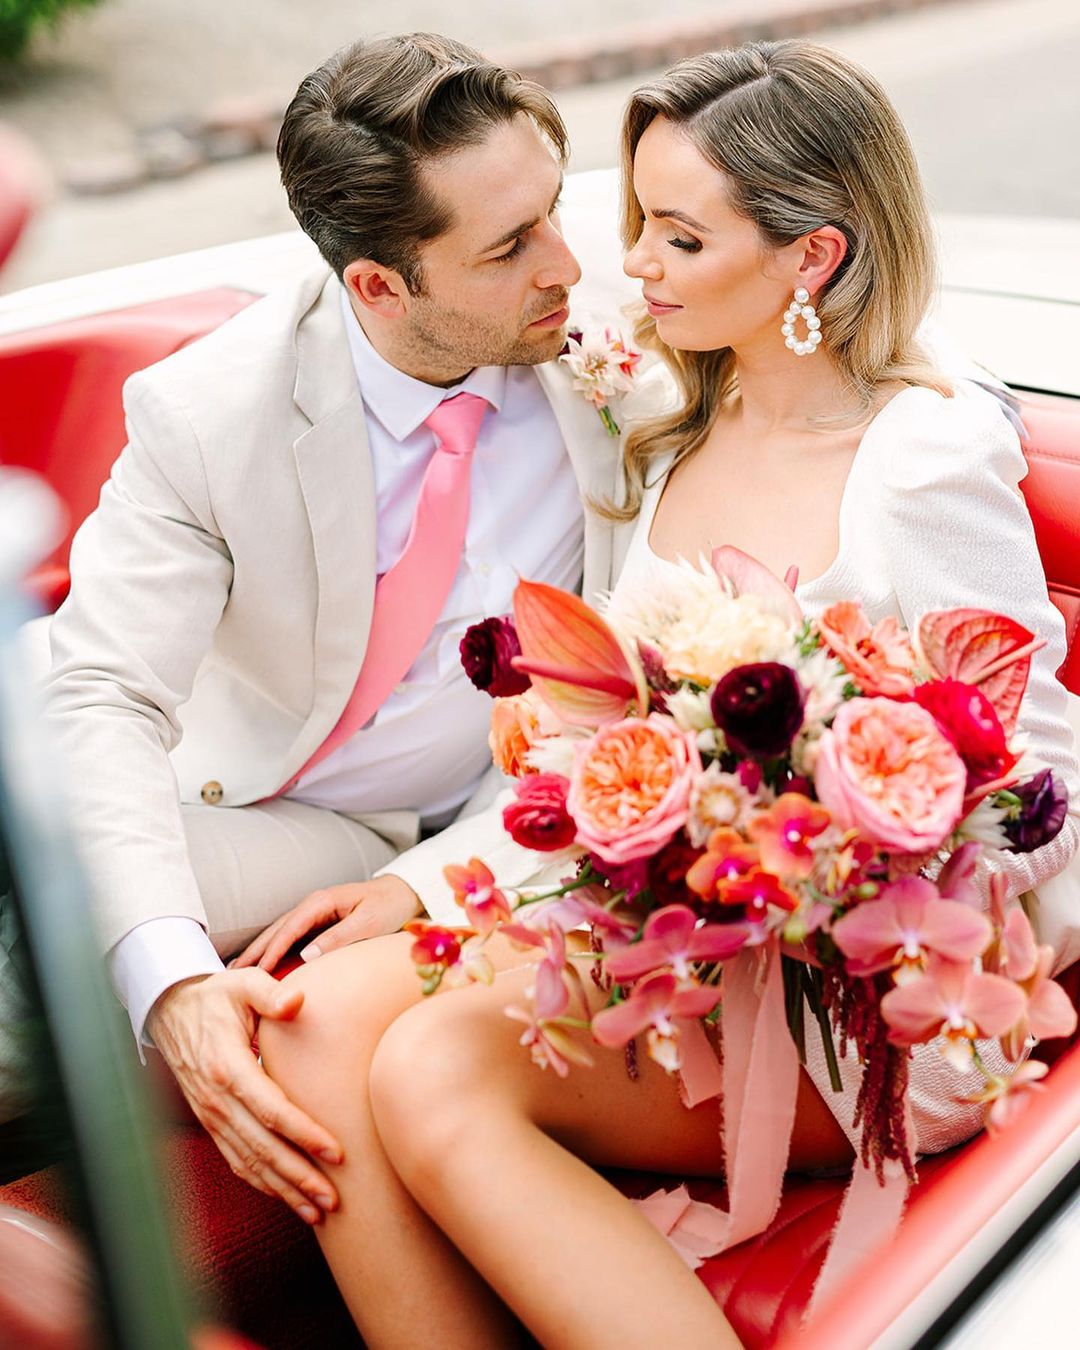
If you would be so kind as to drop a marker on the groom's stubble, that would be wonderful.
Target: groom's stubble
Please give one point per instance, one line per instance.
(450, 337)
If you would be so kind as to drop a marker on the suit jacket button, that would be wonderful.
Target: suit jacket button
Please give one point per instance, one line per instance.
(212, 792)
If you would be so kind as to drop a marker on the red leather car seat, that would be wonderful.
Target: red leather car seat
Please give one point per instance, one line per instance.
(60, 391)
(250, 1252)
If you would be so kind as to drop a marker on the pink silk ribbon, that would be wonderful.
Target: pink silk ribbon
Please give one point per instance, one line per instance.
(759, 1080)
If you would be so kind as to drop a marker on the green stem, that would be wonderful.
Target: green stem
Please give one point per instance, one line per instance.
(610, 425)
(827, 1045)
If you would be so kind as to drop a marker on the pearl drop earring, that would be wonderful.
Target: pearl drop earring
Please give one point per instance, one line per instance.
(801, 305)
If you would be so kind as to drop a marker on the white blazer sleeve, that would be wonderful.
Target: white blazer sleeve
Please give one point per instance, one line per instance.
(956, 532)
(150, 578)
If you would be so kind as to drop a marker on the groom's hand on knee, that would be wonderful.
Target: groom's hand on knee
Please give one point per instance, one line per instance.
(356, 910)
(204, 1029)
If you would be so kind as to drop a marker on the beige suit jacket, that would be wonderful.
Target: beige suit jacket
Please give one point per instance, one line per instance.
(222, 592)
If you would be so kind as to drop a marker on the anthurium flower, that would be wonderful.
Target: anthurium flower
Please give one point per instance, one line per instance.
(907, 923)
(878, 658)
(579, 666)
(785, 834)
(981, 648)
(954, 1001)
(673, 940)
(1008, 1095)
(474, 889)
(727, 856)
(744, 575)
(659, 1004)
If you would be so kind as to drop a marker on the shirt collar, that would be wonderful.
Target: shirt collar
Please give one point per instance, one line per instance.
(400, 402)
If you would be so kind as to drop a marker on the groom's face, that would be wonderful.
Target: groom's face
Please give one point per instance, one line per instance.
(496, 283)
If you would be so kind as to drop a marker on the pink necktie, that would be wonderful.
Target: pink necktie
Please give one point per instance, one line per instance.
(409, 598)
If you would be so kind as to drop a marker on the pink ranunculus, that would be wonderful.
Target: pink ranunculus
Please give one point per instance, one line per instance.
(879, 659)
(885, 769)
(538, 819)
(630, 787)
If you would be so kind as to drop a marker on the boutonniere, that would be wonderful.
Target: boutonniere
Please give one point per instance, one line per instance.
(603, 364)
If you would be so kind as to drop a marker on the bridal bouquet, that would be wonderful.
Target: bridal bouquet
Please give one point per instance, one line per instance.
(760, 819)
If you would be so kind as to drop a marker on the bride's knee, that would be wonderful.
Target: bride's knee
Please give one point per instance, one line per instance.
(426, 1076)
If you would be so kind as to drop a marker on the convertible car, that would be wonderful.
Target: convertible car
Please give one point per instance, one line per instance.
(1010, 301)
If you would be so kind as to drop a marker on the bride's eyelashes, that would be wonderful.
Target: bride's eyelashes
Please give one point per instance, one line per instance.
(687, 245)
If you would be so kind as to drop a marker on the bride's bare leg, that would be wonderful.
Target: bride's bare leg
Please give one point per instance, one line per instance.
(390, 1262)
(491, 1147)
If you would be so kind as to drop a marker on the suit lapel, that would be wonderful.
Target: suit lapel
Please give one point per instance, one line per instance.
(596, 458)
(333, 463)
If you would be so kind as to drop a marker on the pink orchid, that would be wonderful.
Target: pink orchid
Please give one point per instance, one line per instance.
(906, 924)
(449, 954)
(578, 665)
(579, 907)
(550, 1045)
(956, 880)
(1047, 1012)
(672, 940)
(744, 575)
(660, 1004)
(954, 1001)
(785, 834)
(1008, 1095)
(474, 889)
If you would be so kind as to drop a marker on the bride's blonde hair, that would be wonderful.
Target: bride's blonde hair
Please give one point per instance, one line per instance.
(805, 138)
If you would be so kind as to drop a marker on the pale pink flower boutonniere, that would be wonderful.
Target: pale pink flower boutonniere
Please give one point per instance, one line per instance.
(603, 364)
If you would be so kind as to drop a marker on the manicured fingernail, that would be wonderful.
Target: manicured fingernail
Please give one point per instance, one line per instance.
(311, 952)
(323, 1201)
(330, 1155)
(309, 1214)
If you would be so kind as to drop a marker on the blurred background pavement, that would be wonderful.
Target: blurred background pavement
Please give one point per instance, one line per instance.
(989, 90)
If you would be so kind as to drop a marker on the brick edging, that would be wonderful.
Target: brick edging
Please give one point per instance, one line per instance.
(236, 128)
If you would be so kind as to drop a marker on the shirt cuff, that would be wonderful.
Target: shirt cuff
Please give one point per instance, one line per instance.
(152, 958)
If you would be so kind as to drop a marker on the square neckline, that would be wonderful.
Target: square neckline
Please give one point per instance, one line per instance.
(803, 587)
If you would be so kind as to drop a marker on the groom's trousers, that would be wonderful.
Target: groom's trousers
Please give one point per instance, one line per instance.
(252, 863)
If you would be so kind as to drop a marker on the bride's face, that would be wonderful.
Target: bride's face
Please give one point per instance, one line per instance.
(708, 277)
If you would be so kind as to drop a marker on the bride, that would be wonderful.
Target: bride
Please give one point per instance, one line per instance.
(758, 182)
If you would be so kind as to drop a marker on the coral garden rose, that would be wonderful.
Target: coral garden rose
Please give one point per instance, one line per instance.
(759, 708)
(630, 787)
(885, 769)
(879, 658)
(538, 818)
(515, 726)
(487, 650)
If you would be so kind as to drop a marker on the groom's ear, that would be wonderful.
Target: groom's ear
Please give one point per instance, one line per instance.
(378, 290)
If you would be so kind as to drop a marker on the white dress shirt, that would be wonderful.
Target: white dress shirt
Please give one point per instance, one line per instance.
(426, 747)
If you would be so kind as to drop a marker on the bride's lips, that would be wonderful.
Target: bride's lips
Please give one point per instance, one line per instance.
(555, 320)
(657, 308)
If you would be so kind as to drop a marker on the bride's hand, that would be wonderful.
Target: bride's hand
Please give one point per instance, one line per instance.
(363, 909)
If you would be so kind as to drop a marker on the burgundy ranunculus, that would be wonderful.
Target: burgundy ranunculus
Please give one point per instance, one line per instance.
(486, 651)
(968, 719)
(759, 708)
(1043, 804)
(631, 877)
(538, 818)
(668, 869)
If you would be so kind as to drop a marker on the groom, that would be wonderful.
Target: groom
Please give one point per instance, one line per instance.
(255, 680)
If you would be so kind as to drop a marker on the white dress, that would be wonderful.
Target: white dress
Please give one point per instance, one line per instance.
(932, 517)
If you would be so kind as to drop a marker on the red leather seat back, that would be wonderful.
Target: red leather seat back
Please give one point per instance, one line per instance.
(60, 388)
(1052, 492)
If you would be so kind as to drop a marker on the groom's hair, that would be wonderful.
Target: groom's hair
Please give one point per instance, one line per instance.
(359, 130)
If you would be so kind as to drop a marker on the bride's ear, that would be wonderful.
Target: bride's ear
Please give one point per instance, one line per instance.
(823, 252)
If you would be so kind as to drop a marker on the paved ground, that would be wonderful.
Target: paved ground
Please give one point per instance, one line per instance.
(988, 89)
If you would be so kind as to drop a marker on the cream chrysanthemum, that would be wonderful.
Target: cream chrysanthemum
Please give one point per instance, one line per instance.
(700, 628)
